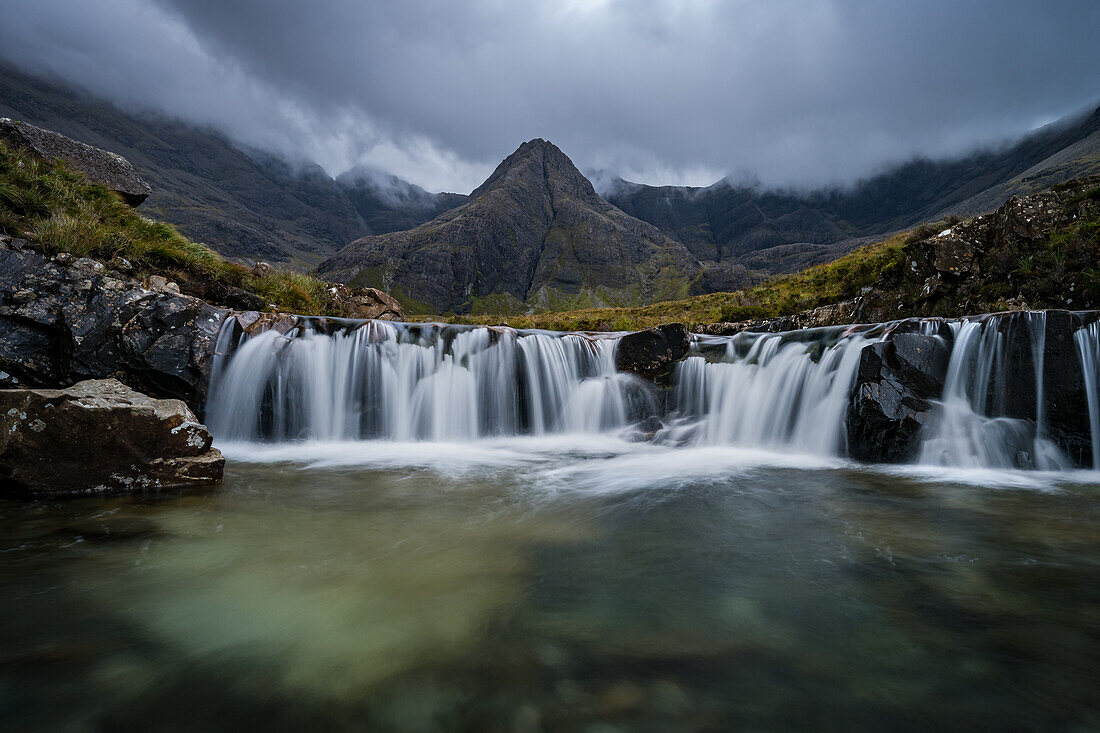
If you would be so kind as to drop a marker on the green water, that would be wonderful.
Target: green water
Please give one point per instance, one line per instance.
(594, 589)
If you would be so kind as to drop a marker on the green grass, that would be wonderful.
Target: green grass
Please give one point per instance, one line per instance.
(58, 210)
(873, 265)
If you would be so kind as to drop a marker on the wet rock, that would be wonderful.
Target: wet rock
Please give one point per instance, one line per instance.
(897, 381)
(1064, 398)
(252, 322)
(653, 354)
(100, 436)
(109, 170)
(61, 322)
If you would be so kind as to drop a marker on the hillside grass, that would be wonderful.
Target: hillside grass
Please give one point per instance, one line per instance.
(874, 265)
(58, 210)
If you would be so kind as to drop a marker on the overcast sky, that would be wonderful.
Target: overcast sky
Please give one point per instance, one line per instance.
(791, 92)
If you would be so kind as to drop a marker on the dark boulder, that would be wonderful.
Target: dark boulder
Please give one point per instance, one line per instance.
(100, 436)
(653, 354)
(109, 170)
(897, 381)
(65, 320)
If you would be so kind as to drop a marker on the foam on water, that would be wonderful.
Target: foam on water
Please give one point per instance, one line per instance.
(458, 398)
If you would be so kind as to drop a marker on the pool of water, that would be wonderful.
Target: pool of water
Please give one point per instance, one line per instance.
(562, 584)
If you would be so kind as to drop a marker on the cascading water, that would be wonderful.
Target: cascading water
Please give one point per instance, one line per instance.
(777, 393)
(379, 380)
(788, 391)
(970, 429)
(1088, 350)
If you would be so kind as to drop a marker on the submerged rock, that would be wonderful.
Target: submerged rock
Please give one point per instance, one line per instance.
(109, 170)
(100, 436)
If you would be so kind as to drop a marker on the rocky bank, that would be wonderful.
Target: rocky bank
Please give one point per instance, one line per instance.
(100, 436)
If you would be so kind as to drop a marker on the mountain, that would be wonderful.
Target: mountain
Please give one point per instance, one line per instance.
(390, 204)
(534, 234)
(783, 231)
(247, 205)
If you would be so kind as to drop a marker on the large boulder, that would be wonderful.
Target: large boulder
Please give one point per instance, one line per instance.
(100, 436)
(63, 320)
(109, 170)
(366, 303)
(892, 399)
(653, 354)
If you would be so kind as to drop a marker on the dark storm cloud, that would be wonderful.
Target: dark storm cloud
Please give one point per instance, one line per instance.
(663, 91)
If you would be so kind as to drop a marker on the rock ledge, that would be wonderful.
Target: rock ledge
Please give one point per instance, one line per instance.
(100, 436)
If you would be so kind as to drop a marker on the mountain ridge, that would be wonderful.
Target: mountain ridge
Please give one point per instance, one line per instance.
(728, 221)
(534, 234)
(249, 205)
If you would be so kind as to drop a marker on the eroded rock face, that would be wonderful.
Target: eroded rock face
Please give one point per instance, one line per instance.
(653, 354)
(100, 436)
(99, 166)
(892, 398)
(63, 320)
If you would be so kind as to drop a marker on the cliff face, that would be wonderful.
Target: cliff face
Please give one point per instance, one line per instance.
(534, 234)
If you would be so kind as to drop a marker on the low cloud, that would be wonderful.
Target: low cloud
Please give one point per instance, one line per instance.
(658, 91)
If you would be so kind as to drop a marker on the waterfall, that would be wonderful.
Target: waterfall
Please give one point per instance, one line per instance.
(346, 380)
(1088, 350)
(380, 380)
(779, 393)
(970, 428)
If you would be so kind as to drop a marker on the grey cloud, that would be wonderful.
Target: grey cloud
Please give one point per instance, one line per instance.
(662, 91)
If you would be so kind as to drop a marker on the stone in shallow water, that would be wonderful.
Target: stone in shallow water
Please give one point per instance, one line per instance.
(100, 436)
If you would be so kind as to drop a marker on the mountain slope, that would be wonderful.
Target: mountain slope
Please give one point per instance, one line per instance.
(534, 234)
(1038, 251)
(244, 205)
(389, 204)
(785, 231)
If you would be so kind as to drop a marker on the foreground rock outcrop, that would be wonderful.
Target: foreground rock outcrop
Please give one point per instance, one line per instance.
(109, 170)
(64, 319)
(100, 436)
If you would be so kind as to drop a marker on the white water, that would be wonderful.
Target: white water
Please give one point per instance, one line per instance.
(785, 393)
(381, 381)
(1088, 349)
(969, 430)
(777, 395)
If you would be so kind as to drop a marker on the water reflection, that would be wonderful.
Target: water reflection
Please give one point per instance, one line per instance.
(555, 586)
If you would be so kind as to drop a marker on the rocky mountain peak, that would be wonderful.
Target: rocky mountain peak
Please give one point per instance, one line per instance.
(534, 234)
(537, 160)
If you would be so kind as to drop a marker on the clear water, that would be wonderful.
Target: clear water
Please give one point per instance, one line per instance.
(563, 584)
